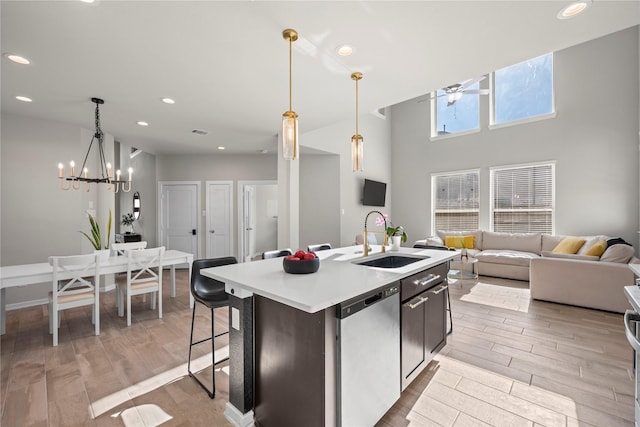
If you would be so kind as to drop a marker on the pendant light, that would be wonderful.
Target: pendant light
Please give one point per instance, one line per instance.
(290, 118)
(357, 143)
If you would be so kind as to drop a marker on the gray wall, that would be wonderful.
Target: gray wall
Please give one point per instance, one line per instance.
(377, 154)
(593, 138)
(217, 167)
(144, 182)
(319, 200)
(37, 218)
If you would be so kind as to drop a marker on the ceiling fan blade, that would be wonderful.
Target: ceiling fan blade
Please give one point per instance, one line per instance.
(478, 91)
(471, 82)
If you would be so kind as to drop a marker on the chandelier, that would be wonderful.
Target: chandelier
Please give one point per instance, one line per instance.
(74, 181)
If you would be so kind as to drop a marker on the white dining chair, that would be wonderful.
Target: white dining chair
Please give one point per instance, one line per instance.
(71, 288)
(120, 249)
(144, 275)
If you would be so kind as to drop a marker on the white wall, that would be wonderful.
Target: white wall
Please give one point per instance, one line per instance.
(593, 138)
(319, 200)
(377, 155)
(266, 205)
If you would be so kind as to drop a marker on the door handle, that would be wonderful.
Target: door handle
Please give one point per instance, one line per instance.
(193, 232)
(428, 279)
(249, 229)
(631, 316)
(421, 300)
(212, 231)
(442, 288)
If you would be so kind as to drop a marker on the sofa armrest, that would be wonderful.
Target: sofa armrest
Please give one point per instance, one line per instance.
(594, 284)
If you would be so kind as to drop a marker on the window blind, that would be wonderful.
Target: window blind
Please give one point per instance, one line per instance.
(456, 202)
(523, 199)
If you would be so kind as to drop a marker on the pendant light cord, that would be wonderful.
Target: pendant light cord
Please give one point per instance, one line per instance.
(290, 74)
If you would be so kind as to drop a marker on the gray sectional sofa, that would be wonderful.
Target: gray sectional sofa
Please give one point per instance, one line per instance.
(576, 279)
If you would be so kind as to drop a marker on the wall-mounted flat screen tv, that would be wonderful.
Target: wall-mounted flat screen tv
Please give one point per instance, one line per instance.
(374, 193)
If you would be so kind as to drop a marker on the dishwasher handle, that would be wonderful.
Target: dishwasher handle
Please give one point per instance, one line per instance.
(631, 316)
(440, 289)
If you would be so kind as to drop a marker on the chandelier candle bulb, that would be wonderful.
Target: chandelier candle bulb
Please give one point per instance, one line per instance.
(109, 171)
(60, 170)
(86, 172)
(73, 168)
(130, 172)
(118, 175)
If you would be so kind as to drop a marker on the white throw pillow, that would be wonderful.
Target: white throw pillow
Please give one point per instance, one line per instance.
(618, 253)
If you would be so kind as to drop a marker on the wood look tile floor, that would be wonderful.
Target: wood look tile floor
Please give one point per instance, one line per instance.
(510, 361)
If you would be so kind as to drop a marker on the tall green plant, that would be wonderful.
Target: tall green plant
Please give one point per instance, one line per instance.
(95, 238)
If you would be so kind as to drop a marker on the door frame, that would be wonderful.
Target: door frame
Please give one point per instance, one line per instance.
(161, 185)
(230, 205)
(240, 203)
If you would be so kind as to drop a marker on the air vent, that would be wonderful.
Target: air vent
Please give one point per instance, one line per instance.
(200, 131)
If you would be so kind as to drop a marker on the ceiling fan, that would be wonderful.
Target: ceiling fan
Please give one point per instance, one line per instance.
(455, 91)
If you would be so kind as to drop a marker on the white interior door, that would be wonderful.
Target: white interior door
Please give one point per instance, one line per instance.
(178, 223)
(219, 219)
(249, 222)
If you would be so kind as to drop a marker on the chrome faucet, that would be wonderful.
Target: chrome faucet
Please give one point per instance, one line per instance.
(365, 244)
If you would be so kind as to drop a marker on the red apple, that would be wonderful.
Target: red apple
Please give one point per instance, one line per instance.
(293, 258)
(315, 255)
(299, 253)
(309, 256)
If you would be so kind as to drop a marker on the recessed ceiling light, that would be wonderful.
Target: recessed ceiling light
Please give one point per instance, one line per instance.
(574, 9)
(168, 101)
(221, 148)
(143, 123)
(344, 50)
(17, 59)
(87, 1)
(23, 98)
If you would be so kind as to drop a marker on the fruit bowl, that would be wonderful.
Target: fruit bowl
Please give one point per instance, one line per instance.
(300, 266)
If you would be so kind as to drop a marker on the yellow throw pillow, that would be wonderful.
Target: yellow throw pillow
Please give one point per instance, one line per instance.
(597, 249)
(569, 245)
(459, 242)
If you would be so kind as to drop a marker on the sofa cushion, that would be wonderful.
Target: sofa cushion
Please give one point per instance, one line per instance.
(459, 242)
(549, 254)
(505, 256)
(597, 249)
(525, 242)
(569, 245)
(476, 233)
(618, 253)
(590, 241)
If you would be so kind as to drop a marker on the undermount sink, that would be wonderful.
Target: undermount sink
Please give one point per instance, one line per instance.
(391, 261)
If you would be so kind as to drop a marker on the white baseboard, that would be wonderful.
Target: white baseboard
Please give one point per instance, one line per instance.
(42, 301)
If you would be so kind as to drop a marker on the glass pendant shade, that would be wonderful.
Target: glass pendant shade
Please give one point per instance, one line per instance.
(357, 153)
(290, 135)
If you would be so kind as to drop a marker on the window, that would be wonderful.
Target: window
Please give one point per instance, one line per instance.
(454, 113)
(455, 201)
(523, 198)
(523, 90)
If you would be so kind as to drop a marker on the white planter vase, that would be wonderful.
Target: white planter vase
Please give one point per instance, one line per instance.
(104, 254)
(395, 243)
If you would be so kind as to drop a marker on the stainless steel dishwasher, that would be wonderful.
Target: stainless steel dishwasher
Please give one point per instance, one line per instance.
(368, 371)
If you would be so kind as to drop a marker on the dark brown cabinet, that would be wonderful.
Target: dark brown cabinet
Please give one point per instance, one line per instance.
(423, 320)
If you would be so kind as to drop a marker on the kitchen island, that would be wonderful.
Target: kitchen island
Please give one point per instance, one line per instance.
(290, 360)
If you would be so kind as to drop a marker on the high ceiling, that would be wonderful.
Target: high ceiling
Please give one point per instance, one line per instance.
(226, 63)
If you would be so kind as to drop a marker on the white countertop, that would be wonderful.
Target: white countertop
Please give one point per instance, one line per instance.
(338, 279)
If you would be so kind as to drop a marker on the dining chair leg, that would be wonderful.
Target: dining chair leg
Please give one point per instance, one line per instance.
(50, 319)
(96, 315)
(159, 296)
(129, 308)
(56, 316)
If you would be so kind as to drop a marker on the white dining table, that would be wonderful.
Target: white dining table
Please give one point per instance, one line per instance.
(31, 274)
